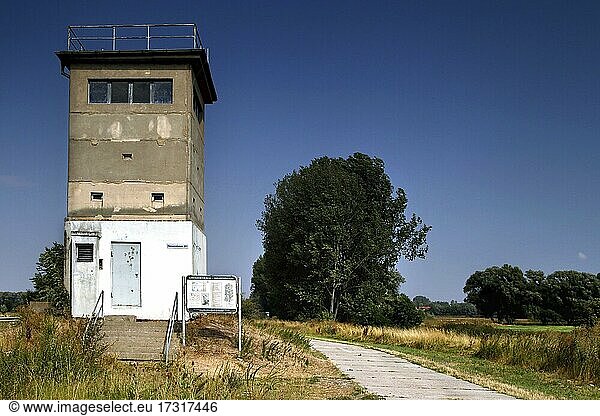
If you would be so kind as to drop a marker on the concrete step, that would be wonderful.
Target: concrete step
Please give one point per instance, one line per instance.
(129, 339)
(119, 318)
(140, 356)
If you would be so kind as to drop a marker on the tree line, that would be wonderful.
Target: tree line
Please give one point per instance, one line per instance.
(562, 297)
(443, 308)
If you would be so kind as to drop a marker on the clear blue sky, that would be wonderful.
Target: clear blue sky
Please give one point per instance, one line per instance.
(486, 112)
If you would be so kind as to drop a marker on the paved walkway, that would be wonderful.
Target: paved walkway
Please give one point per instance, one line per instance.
(395, 378)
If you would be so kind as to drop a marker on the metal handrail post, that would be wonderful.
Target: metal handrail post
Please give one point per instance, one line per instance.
(239, 315)
(148, 37)
(170, 326)
(114, 39)
(93, 319)
(183, 307)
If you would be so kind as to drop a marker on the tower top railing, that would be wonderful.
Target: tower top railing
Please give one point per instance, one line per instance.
(163, 36)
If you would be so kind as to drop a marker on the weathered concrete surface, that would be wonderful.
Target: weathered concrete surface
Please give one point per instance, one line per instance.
(395, 378)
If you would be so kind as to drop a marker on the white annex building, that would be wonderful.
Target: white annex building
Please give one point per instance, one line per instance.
(135, 203)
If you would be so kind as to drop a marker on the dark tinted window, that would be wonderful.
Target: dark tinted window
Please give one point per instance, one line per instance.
(158, 197)
(119, 92)
(98, 92)
(141, 92)
(162, 92)
(128, 91)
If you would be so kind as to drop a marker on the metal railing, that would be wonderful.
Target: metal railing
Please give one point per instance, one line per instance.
(10, 319)
(170, 328)
(133, 37)
(97, 313)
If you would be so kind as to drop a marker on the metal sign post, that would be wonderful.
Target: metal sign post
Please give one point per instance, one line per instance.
(212, 294)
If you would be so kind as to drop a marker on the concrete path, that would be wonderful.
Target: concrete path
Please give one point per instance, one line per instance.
(395, 378)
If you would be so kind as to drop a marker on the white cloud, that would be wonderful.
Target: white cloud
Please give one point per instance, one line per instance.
(581, 256)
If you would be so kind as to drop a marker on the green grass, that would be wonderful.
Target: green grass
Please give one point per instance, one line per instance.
(537, 328)
(533, 364)
(519, 382)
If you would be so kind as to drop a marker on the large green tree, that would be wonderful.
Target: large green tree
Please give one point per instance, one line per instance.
(500, 292)
(568, 296)
(333, 233)
(48, 283)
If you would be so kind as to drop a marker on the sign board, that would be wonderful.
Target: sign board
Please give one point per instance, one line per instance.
(212, 294)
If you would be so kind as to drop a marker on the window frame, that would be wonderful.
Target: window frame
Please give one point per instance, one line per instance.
(130, 89)
(157, 197)
(96, 196)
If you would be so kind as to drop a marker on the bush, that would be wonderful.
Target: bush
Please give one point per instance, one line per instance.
(404, 314)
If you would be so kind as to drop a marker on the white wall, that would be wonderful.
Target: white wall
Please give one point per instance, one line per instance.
(168, 251)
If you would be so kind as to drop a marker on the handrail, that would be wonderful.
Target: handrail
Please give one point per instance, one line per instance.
(78, 35)
(96, 314)
(169, 334)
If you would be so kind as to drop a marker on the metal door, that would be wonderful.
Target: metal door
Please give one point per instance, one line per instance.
(126, 274)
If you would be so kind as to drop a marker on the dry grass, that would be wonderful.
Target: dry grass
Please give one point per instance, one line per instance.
(273, 367)
(422, 337)
(43, 358)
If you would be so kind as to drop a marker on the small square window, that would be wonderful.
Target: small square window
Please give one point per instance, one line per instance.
(127, 156)
(141, 92)
(98, 92)
(119, 92)
(162, 92)
(96, 196)
(158, 197)
(85, 253)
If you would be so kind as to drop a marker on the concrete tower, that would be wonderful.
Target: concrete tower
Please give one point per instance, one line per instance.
(135, 203)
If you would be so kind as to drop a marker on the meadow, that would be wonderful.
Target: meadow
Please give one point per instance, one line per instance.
(526, 361)
(43, 357)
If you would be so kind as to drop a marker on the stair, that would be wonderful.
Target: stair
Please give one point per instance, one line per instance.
(132, 340)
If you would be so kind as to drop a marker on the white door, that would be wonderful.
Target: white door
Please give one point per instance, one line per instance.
(126, 274)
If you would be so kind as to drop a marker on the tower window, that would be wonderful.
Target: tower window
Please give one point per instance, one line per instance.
(130, 91)
(96, 196)
(158, 197)
(98, 92)
(85, 253)
(198, 109)
(127, 156)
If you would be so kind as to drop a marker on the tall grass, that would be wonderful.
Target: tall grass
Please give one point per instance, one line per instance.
(422, 337)
(574, 355)
(44, 350)
(44, 358)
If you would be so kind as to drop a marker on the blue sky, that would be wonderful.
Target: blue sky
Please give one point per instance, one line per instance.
(485, 112)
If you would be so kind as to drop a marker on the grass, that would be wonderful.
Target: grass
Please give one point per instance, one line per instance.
(532, 364)
(43, 358)
(537, 328)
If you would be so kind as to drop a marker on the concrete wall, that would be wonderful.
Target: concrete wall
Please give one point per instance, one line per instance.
(169, 250)
(165, 141)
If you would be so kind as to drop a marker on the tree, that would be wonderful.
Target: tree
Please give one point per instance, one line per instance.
(332, 235)
(421, 301)
(568, 296)
(498, 292)
(48, 284)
